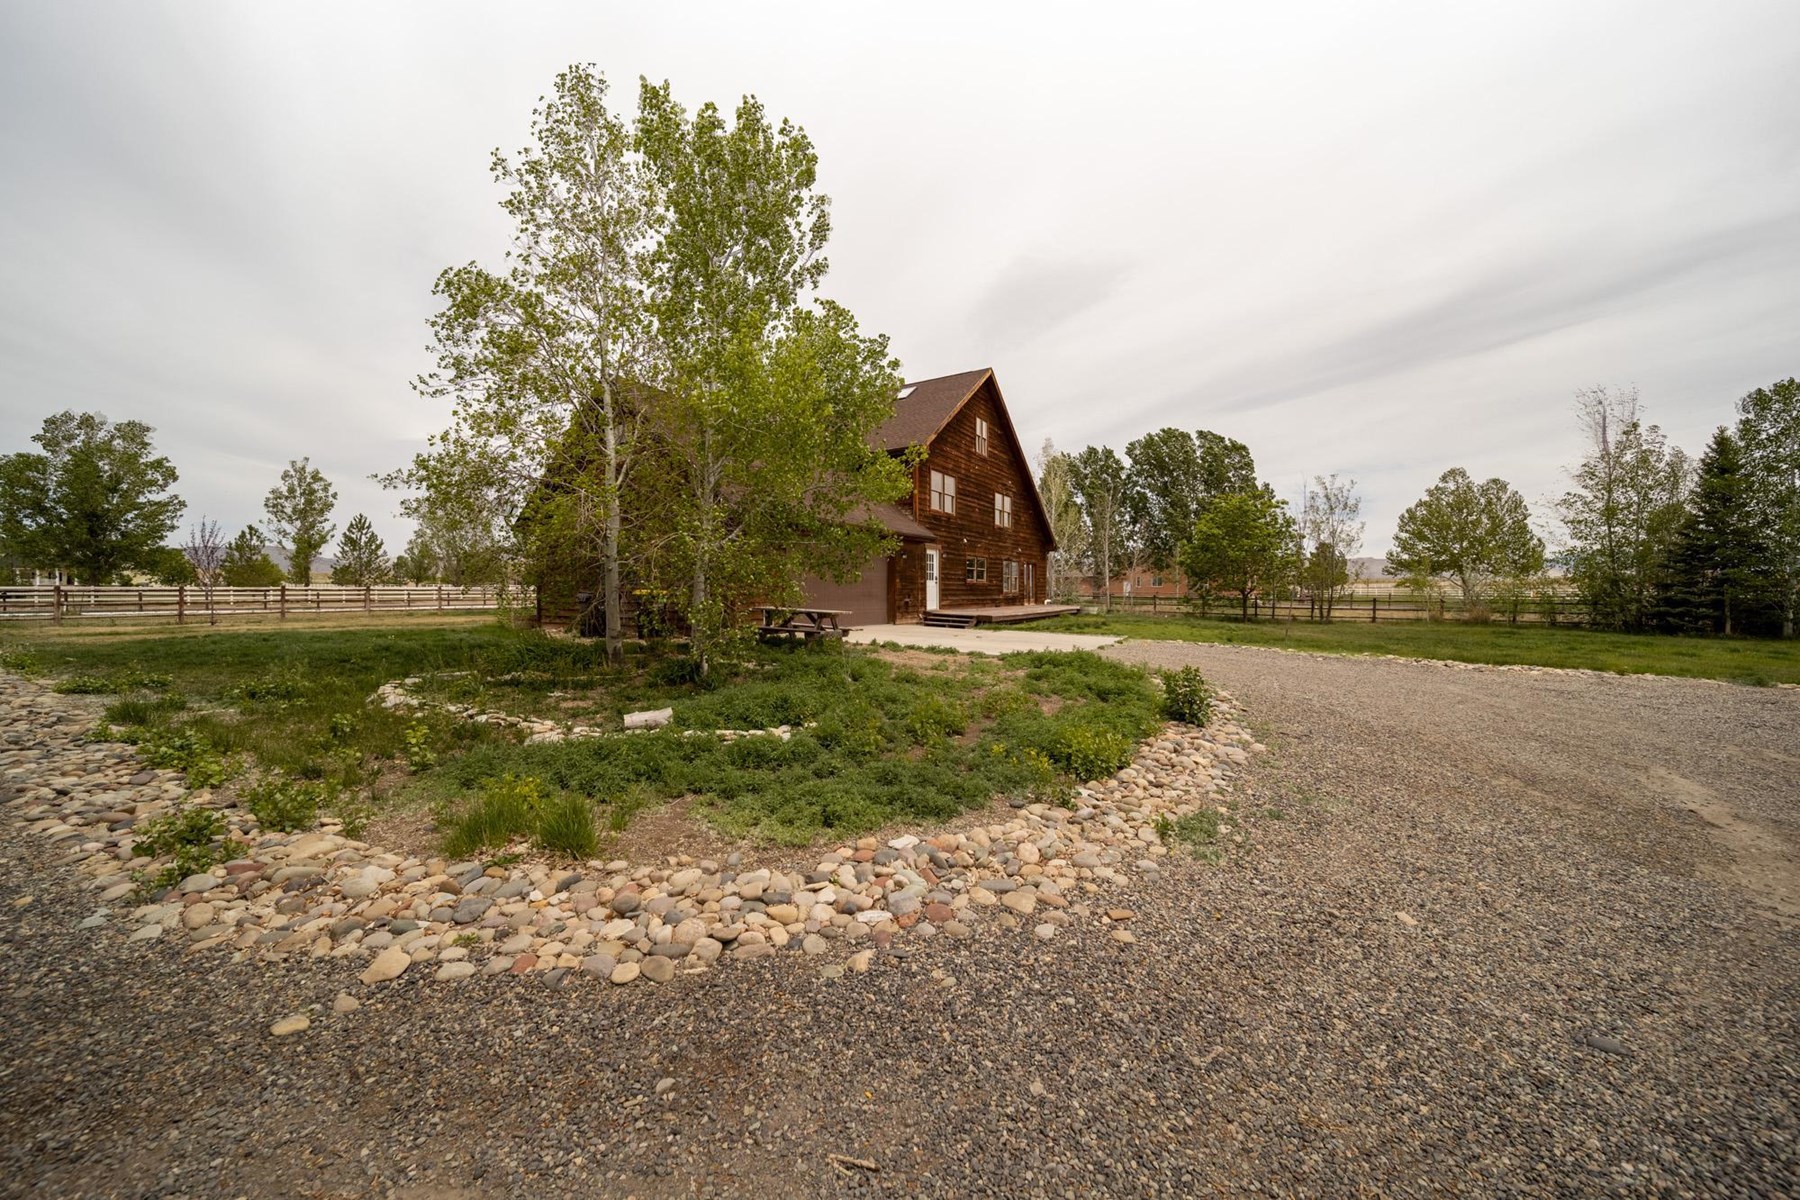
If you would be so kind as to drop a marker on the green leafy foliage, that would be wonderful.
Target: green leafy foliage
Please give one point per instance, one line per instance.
(186, 751)
(418, 742)
(1186, 696)
(190, 835)
(1244, 544)
(280, 803)
(246, 563)
(93, 497)
(1087, 752)
(299, 509)
(130, 678)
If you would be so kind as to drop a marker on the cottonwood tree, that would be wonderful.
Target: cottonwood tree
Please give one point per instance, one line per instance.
(1102, 484)
(1331, 532)
(246, 563)
(763, 407)
(1622, 516)
(1245, 544)
(1173, 476)
(1769, 428)
(1475, 535)
(299, 509)
(93, 499)
(1067, 525)
(545, 363)
(362, 559)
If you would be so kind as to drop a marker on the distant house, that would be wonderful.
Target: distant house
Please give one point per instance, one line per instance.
(974, 536)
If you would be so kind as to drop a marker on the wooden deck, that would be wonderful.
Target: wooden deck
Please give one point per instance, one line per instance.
(1010, 614)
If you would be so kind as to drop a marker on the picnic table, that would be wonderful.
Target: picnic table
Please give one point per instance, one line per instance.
(786, 621)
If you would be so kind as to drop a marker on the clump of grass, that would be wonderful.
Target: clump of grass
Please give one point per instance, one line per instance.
(567, 826)
(1186, 696)
(1197, 832)
(146, 711)
(19, 661)
(284, 804)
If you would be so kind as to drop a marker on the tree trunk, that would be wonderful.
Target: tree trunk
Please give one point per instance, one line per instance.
(611, 597)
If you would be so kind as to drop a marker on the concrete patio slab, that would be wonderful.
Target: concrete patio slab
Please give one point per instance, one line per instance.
(985, 640)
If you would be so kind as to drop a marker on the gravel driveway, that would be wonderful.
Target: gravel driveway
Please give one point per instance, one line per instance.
(1492, 933)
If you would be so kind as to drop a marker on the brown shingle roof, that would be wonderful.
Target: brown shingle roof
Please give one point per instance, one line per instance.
(926, 407)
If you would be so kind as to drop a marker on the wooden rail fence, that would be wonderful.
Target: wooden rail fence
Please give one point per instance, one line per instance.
(1556, 609)
(64, 602)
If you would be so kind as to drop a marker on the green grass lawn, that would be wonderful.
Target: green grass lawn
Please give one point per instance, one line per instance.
(1740, 660)
(877, 737)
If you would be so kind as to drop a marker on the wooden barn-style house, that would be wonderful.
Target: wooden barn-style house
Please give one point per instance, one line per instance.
(974, 537)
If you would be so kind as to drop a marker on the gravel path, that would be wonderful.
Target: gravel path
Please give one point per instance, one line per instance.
(1511, 934)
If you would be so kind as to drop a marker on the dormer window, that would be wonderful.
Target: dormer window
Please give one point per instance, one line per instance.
(980, 436)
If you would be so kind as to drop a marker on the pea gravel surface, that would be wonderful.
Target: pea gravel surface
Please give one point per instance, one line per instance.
(1487, 933)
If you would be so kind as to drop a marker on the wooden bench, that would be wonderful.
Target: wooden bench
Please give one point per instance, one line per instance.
(808, 623)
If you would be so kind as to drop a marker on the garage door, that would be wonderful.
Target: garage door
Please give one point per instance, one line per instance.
(866, 599)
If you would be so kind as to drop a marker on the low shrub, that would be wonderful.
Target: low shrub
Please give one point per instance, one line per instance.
(1089, 752)
(186, 751)
(284, 804)
(191, 836)
(419, 754)
(146, 711)
(1186, 696)
(934, 717)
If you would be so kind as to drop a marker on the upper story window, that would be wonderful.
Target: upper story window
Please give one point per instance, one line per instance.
(980, 436)
(1002, 511)
(943, 492)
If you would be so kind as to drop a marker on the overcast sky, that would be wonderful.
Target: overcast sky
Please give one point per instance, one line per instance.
(1373, 239)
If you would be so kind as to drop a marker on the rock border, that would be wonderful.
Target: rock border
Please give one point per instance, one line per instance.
(318, 894)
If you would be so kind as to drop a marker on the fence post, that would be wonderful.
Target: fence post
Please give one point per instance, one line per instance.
(181, 604)
(1373, 601)
(440, 597)
(56, 613)
(284, 602)
(366, 594)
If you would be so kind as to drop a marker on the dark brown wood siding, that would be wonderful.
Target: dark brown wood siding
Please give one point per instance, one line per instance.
(971, 531)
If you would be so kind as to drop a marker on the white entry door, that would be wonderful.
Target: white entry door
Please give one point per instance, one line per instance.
(931, 580)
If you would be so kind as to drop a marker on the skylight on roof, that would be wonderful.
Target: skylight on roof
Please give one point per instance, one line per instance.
(905, 392)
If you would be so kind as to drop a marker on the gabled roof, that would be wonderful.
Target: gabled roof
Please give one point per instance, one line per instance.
(925, 406)
(928, 406)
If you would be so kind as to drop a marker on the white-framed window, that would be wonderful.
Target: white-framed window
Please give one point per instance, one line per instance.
(980, 436)
(975, 570)
(943, 492)
(1010, 576)
(1002, 510)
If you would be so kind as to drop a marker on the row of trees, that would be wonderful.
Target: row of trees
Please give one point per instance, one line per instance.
(648, 385)
(1649, 540)
(1191, 501)
(94, 504)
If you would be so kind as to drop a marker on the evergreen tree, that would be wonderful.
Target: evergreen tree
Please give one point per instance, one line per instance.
(362, 558)
(1714, 578)
(246, 563)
